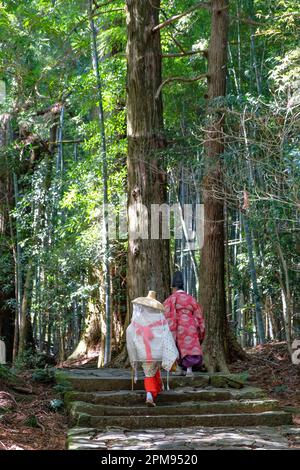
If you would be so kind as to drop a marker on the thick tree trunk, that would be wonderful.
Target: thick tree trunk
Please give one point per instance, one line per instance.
(91, 335)
(233, 348)
(212, 288)
(148, 260)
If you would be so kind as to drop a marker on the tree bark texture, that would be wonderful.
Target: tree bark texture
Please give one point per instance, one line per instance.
(148, 260)
(212, 272)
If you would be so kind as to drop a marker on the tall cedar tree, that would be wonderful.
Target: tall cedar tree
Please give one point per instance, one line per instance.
(148, 260)
(212, 286)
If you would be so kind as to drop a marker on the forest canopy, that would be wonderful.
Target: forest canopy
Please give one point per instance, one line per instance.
(171, 101)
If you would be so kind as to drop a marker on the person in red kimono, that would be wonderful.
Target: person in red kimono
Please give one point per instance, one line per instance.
(186, 322)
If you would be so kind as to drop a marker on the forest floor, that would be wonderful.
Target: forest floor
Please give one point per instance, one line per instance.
(269, 367)
(30, 424)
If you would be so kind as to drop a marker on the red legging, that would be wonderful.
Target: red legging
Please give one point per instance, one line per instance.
(153, 384)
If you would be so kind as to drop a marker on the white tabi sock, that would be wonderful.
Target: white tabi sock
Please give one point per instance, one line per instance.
(149, 396)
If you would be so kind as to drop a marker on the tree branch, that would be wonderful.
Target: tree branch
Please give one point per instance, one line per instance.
(177, 43)
(75, 141)
(184, 54)
(95, 14)
(101, 5)
(248, 21)
(177, 17)
(178, 79)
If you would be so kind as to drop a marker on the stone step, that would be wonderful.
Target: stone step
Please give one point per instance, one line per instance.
(179, 395)
(185, 408)
(121, 379)
(88, 383)
(198, 438)
(266, 418)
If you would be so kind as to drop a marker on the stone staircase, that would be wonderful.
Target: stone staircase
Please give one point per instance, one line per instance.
(102, 399)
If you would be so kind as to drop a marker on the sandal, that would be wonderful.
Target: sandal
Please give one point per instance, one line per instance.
(150, 403)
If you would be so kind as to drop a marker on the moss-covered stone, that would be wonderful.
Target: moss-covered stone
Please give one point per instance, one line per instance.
(268, 418)
(82, 419)
(249, 393)
(229, 380)
(181, 409)
(63, 378)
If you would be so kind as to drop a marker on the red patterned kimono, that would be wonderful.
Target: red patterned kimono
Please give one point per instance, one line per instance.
(186, 323)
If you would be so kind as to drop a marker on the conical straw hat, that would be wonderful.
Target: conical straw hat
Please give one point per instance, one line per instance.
(149, 301)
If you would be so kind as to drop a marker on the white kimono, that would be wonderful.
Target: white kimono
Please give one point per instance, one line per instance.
(149, 340)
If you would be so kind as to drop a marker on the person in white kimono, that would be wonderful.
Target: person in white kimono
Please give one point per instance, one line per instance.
(150, 343)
